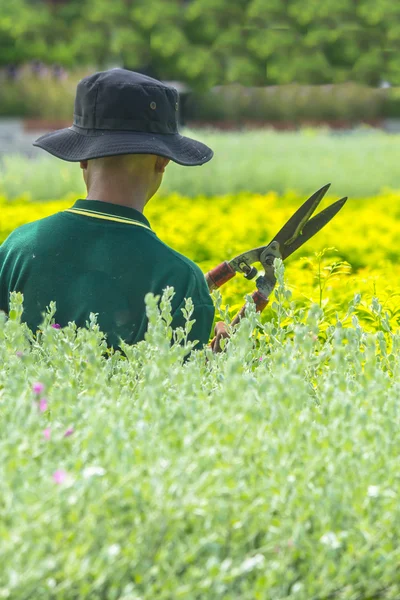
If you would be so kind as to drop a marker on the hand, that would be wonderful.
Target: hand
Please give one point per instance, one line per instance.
(220, 332)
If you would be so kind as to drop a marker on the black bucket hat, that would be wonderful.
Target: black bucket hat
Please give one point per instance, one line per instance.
(123, 112)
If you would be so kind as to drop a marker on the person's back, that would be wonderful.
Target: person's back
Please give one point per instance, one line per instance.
(101, 256)
(88, 264)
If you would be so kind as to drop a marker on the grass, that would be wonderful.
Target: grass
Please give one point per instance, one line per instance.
(359, 164)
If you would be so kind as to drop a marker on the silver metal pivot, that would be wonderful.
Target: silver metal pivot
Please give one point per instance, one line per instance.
(266, 283)
(248, 271)
(268, 255)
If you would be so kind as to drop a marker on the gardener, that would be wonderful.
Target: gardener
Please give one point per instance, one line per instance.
(101, 255)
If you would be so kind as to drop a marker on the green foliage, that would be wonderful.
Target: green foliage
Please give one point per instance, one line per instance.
(24, 27)
(209, 42)
(325, 271)
(268, 471)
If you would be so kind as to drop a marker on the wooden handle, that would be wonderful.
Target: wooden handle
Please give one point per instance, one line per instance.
(220, 275)
(259, 300)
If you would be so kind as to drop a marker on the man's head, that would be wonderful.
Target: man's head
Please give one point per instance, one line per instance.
(120, 112)
(142, 172)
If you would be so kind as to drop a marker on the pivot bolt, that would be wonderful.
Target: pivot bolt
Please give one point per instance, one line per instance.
(269, 260)
(251, 273)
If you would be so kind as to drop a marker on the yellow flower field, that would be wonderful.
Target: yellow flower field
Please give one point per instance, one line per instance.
(360, 248)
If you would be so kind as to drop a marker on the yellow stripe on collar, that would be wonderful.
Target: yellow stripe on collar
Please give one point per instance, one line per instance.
(105, 217)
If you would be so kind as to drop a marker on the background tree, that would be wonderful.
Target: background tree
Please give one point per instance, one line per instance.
(209, 42)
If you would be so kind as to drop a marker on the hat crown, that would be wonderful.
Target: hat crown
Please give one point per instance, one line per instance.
(123, 100)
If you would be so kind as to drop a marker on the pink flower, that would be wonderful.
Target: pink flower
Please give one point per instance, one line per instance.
(56, 326)
(43, 404)
(19, 354)
(47, 432)
(69, 432)
(38, 387)
(59, 476)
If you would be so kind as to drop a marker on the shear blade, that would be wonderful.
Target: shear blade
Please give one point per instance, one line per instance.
(293, 228)
(313, 226)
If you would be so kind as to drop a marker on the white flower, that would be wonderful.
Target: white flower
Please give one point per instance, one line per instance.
(373, 491)
(330, 539)
(90, 471)
(114, 550)
(252, 563)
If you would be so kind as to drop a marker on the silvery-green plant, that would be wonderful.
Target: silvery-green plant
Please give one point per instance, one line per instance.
(159, 471)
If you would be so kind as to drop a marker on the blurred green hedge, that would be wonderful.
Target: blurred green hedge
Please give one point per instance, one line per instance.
(39, 96)
(292, 102)
(48, 97)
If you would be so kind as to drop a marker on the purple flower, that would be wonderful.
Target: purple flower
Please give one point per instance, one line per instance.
(59, 476)
(43, 404)
(56, 326)
(69, 432)
(19, 353)
(47, 433)
(38, 387)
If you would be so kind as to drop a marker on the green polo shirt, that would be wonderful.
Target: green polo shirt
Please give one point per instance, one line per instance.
(99, 261)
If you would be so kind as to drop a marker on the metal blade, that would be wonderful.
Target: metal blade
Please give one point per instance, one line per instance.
(312, 227)
(292, 229)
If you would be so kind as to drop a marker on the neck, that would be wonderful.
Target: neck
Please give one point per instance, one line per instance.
(132, 196)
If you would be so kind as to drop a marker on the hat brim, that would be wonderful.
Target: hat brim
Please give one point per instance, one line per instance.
(74, 144)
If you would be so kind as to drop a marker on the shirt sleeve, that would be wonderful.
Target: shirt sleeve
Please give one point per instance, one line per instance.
(4, 293)
(203, 311)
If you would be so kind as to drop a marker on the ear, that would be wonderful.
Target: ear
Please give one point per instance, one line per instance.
(161, 164)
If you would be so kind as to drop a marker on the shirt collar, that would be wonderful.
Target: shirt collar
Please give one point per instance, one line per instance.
(114, 210)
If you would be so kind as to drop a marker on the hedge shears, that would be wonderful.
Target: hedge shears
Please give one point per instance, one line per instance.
(298, 230)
